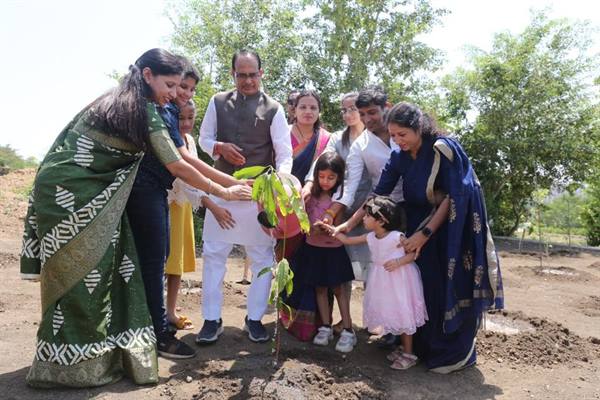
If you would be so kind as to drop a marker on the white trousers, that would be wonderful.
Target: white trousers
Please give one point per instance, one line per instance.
(215, 255)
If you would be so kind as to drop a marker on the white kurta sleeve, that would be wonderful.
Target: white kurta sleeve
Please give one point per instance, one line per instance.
(208, 130)
(282, 143)
(354, 171)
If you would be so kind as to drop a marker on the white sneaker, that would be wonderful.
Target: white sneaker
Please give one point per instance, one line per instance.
(324, 335)
(346, 342)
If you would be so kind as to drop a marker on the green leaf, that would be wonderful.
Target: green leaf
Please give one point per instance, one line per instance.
(282, 197)
(289, 286)
(264, 271)
(257, 189)
(269, 202)
(301, 214)
(290, 313)
(273, 295)
(281, 275)
(249, 172)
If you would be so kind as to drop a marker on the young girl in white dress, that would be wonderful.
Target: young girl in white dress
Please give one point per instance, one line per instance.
(393, 301)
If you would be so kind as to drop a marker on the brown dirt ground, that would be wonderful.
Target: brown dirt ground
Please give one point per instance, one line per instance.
(545, 345)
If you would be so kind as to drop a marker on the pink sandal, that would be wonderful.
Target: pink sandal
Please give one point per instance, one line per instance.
(405, 361)
(394, 355)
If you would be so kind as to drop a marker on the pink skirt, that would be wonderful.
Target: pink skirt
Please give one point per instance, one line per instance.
(393, 301)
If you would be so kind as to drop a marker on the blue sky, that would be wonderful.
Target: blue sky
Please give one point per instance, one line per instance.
(57, 54)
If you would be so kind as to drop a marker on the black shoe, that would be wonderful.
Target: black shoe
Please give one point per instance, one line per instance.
(388, 340)
(170, 347)
(210, 331)
(256, 331)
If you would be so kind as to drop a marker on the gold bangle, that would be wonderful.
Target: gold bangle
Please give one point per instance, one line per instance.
(331, 213)
(209, 186)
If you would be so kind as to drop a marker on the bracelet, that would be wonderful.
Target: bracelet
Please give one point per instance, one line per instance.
(209, 186)
(228, 198)
(331, 213)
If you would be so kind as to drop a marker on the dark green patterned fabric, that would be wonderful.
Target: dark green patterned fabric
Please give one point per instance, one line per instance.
(95, 324)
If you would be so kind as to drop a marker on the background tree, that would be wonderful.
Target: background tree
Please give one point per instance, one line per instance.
(10, 159)
(355, 43)
(536, 125)
(591, 213)
(209, 32)
(334, 47)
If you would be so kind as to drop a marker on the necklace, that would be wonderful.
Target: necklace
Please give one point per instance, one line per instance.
(304, 139)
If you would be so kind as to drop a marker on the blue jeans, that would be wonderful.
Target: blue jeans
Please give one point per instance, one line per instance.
(148, 213)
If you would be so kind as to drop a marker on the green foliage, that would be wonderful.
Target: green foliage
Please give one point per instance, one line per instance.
(536, 124)
(333, 46)
(11, 160)
(276, 193)
(564, 212)
(209, 32)
(283, 281)
(269, 190)
(591, 213)
(354, 43)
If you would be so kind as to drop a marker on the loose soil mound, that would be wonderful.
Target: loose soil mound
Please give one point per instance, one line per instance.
(546, 344)
(558, 273)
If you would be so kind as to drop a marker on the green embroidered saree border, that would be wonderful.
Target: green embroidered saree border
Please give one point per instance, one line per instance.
(141, 365)
(163, 147)
(83, 128)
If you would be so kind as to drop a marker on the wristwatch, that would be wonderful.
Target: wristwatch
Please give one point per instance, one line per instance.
(426, 231)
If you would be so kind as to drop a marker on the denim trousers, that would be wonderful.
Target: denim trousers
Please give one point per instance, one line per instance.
(148, 214)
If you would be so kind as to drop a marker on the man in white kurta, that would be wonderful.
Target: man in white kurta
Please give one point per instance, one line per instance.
(371, 150)
(242, 128)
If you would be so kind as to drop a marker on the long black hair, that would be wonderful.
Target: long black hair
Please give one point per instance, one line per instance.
(122, 110)
(329, 160)
(408, 115)
(346, 132)
(315, 95)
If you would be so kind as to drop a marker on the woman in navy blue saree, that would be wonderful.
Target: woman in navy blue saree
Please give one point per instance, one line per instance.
(448, 229)
(309, 140)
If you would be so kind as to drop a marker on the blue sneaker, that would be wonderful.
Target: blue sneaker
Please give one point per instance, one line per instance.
(256, 331)
(210, 331)
(170, 347)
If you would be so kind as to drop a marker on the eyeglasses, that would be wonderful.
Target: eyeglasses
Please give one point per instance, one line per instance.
(350, 109)
(242, 76)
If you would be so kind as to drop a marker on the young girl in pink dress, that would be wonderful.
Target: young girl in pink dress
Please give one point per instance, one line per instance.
(393, 301)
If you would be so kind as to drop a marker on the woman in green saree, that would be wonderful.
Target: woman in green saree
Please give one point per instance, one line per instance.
(95, 324)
